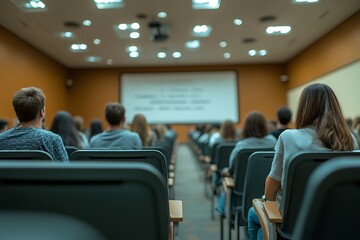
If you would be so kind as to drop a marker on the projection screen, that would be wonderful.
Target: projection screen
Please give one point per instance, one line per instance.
(181, 97)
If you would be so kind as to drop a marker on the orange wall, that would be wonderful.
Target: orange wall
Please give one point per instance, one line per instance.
(22, 66)
(259, 89)
(339, 47)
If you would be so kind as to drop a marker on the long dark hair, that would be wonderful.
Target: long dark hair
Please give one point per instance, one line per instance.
(319, 108)
(63, 124)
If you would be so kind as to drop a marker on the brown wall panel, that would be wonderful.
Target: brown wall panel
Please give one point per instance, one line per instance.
(333, 51)
(22, 66)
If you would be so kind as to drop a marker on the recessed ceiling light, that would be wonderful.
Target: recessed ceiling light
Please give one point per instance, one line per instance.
(192, 44)
(227, 55)
(134, 35)
(206, 4)
(162, 14)
(262, 52)
(135, 26)
(30, 5)
(87, 23)
(238, 21)
(78, 47)
(305, 1)
(176, 54)
(67, 35)
(93, 59)
(132, 49)
(161, 55)
(109, 62)
(252, 52)
(97, 41)
(223, 44)
(109, 4)
(278, 30)
(134, 54)
(202, 30)
(122, 26)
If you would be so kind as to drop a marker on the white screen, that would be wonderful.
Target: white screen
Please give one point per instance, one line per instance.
(191, 97)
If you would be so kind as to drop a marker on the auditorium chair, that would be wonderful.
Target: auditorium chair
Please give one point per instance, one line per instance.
(120, 200)
(280, 221)
(25, 155)
(330, 209)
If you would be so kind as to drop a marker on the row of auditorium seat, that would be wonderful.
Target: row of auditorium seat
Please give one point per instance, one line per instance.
(251, 169)
(118, 194)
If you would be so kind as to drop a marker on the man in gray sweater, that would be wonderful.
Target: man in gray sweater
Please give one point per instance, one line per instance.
(29, 106)
(116, 137)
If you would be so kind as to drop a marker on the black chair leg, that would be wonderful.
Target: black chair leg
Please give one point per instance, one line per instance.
(221, 227)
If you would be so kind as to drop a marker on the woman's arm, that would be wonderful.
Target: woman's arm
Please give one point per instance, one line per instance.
(272, 186)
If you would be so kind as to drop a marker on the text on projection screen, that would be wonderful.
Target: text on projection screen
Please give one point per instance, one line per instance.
(196, 97)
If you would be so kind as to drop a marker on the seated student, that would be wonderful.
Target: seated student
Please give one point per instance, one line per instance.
(284, 117)
(63, 124)
(79, 122)
(29, 106)
(320, 126)
(140, 126)
(95, 128)
(254, 135)
(3, 125)
(116, 137)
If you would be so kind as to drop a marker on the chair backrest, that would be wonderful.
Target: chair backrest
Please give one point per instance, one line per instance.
(25, 155)
(223, 152)
(331, 209)
(213, 152)
(33, 225)
(121, 200)
(240, 167)
(258, 169)
(297, 172)
(70, 150)
(153, 157)
(163, 149)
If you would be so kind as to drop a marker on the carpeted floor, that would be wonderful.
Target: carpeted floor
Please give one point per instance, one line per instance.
(190, 188)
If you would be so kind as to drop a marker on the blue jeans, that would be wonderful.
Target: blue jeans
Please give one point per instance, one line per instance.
(221, 203)
(254, 227)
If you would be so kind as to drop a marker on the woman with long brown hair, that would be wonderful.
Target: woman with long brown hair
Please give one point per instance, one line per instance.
(140, 126)
(320, 126)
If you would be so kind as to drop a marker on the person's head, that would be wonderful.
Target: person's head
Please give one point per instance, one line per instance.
(319, 108)
(228, 130)
(95, 127)
(284, 115)
(115, 113)
(255, 126)
(140, 126)
(63, 124)
(3, 125)
(29, 104)
(79, 122)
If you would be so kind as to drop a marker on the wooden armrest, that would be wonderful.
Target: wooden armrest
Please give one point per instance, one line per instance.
(213, 167)
(170, 182)
(176, 211)
(259, 209)
(171, 174)
(272, 212)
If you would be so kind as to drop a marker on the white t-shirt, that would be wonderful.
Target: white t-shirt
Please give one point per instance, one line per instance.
(291, 142)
